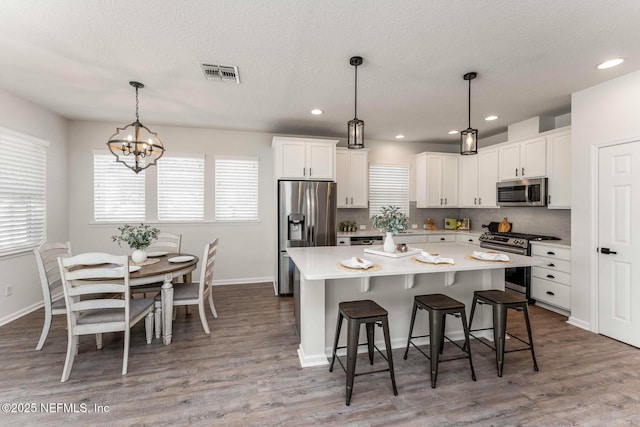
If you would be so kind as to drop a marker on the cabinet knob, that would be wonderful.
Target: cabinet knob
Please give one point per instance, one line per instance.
(479, 200)
(516, 171)
(471, 240)
(550, 276)
(550, 293)
(550, 253)
(441, 201)
(352, 200)
(522, 171)
(445, 201)
(474, 200)
(551, 264)
(442, 238)
(304, 171)
(310, 172)
(346, 200)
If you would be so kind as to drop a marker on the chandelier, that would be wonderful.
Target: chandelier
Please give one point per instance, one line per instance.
(134, 145)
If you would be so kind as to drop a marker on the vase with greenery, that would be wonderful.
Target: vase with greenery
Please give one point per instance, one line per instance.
(138, 238)
(391, 222)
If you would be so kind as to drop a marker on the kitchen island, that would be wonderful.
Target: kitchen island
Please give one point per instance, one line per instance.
(321, 283)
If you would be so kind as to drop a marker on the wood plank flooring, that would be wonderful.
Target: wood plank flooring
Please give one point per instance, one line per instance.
(247, 373)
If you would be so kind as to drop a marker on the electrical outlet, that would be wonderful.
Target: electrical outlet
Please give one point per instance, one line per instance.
(363, 227)
(8, 290)
(414, 226)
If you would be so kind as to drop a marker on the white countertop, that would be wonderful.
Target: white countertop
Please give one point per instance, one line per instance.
(317, 263)
(416, 232)
(563, 243)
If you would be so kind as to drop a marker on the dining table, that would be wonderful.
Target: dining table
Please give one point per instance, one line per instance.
(165, 270)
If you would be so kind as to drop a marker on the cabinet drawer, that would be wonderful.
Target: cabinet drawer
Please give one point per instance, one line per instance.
(551, 275)
(403, 238)
(441, 238)
(344, 241)
(551, 293)
(551, 252)
(557, 265)
(473, 240)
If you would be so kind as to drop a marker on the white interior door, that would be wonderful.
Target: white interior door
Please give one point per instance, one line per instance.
(619, 242)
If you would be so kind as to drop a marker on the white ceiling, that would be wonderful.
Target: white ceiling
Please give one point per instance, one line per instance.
(76, 57)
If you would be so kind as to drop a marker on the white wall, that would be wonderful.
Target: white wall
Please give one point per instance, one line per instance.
(246, 250)
(20, 270)
(604, 113)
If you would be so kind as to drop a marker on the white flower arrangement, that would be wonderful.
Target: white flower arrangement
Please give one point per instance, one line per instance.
(136, 236)
(391, 220)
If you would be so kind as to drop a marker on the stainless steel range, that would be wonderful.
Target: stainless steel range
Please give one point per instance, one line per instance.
(517, 279)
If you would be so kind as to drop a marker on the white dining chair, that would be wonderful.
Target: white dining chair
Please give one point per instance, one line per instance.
(166, 242)
(195, 293)
(46, 256)
(87, 275)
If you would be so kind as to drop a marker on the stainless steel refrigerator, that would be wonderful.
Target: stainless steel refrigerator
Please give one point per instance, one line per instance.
(306, 217)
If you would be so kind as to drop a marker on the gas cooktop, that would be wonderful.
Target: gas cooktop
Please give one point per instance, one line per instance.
(524, 236)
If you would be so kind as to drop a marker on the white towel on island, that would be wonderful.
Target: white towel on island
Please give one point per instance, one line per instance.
(490, 256)
(435, 258)
(357, 262)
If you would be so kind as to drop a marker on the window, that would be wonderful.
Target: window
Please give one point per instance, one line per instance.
(388, 185)
(118, 192)
(23, 210)
(236, 188)
(181, 188)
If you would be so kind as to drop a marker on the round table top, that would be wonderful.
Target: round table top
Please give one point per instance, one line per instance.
(164, 266)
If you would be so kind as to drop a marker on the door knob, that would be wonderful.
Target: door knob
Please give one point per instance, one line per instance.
(607, 251)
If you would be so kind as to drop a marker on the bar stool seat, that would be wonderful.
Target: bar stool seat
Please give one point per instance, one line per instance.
(357, 313)
(438, 306)
(500, 301)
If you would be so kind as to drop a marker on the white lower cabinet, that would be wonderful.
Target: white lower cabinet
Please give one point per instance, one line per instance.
(551, 282)
(471, 239)
(441, 238)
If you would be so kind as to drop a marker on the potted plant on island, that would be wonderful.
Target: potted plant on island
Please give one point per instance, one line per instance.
(138, 237)
(391, 221)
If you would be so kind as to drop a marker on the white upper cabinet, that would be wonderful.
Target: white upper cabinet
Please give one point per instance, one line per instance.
(304, 158)
(522, 160)
(436, 180)
(559, 168)
(352, 176)
(478, 177)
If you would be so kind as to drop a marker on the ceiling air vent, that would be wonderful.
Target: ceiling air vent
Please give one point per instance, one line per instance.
(220, 73)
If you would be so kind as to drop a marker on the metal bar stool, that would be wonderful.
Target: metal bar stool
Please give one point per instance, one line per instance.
(438, 306)
(500, 301)
(357, 313)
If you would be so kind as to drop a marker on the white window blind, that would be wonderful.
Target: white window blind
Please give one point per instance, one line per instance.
(236, 194)
(388, 185)
(23, 210)
(181, 188)
(118, 192)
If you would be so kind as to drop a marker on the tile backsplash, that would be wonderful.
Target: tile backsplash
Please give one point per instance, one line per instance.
(537, 220)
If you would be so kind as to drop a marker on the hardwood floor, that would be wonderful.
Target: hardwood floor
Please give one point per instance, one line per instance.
(247, 373)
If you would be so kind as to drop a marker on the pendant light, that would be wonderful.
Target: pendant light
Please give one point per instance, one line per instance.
(355, 127)
(469, 136)
(134, 145)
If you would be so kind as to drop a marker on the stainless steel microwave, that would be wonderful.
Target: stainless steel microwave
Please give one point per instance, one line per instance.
(525, 192)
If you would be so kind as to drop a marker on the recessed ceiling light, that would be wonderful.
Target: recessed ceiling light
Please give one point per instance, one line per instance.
(490, 118)
(453, 132)
(316, 111)
(399, 136)
(610, 63)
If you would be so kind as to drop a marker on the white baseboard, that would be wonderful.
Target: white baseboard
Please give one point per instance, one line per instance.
(245, 281)
(579, 323)
(23, 312)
